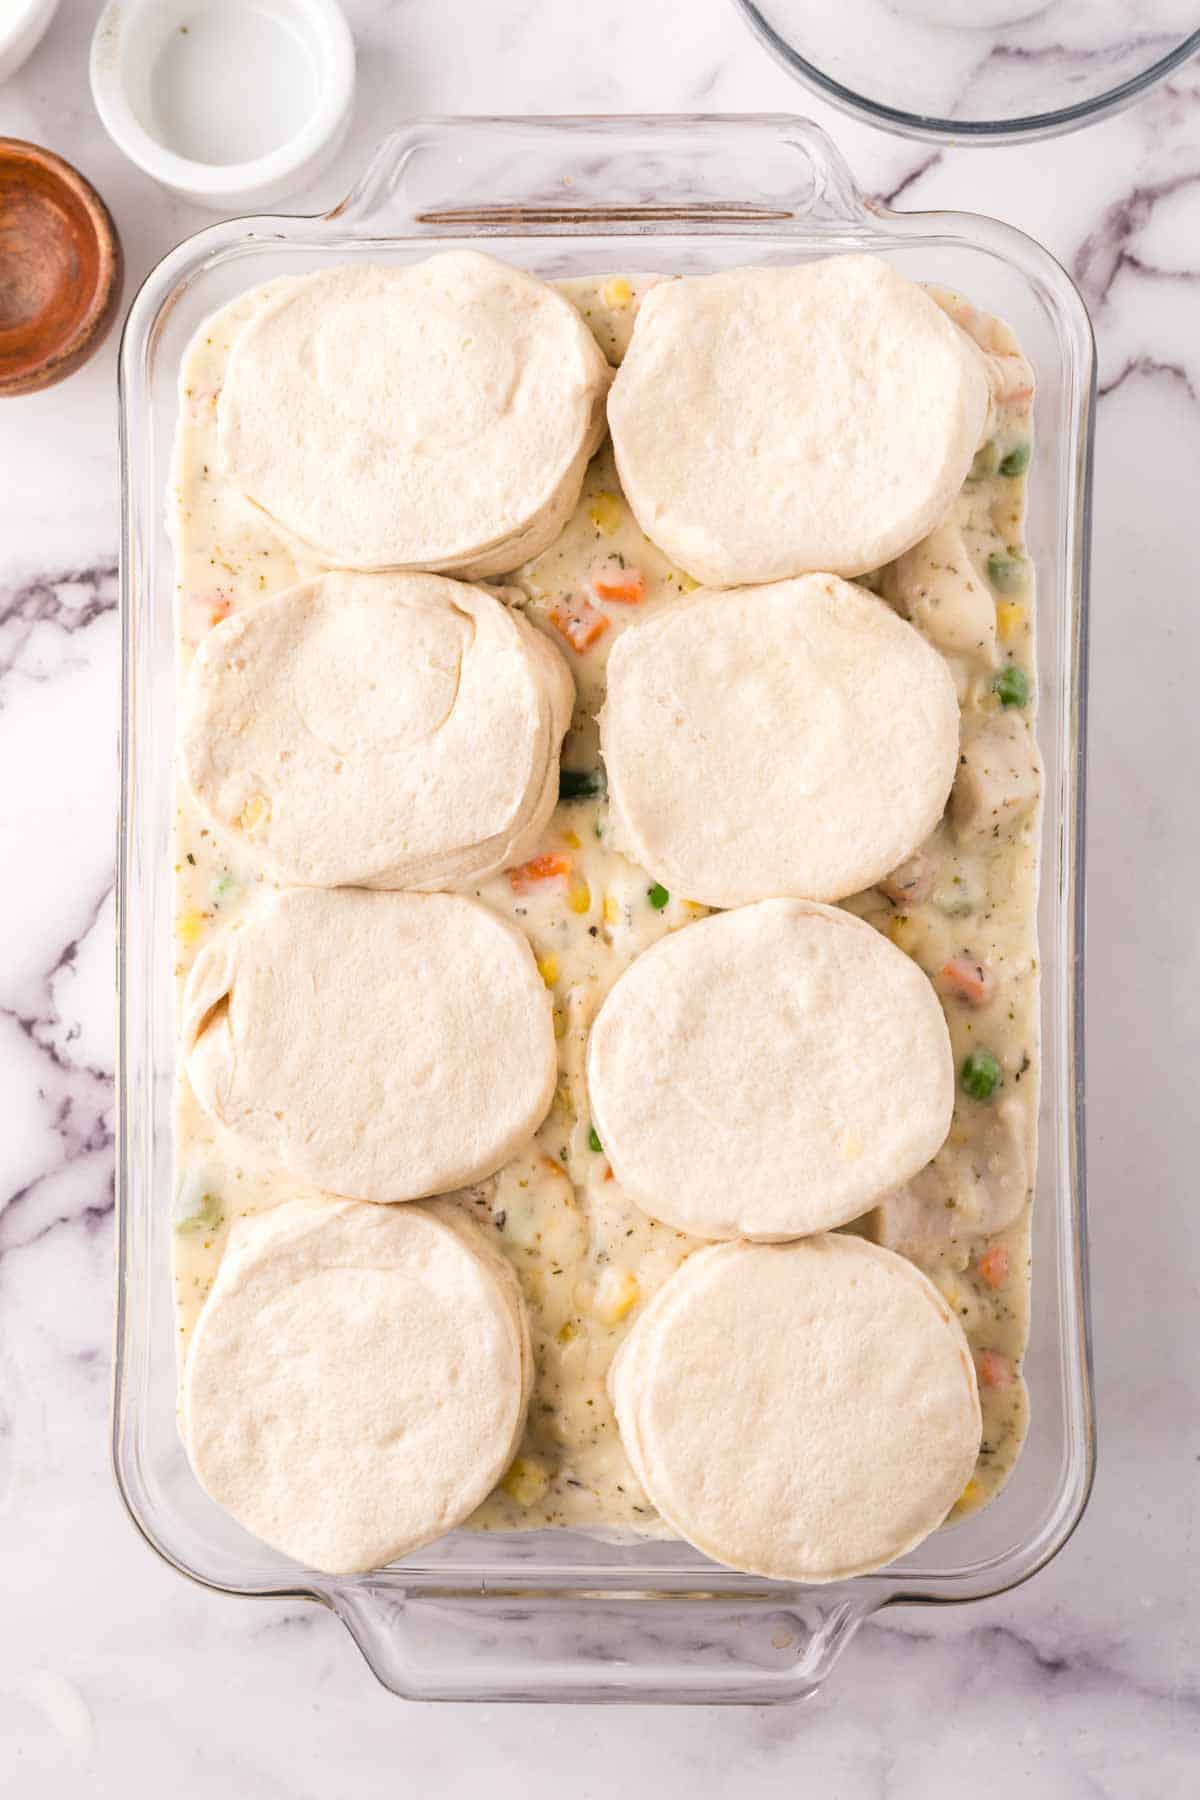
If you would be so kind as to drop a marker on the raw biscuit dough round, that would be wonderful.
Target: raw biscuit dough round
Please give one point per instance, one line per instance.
(804, 1411)
(794, 739)
(375, 730)
(436, 416)
(357, 1380)
(769, 1072)
(382, 1046)
(773, 422)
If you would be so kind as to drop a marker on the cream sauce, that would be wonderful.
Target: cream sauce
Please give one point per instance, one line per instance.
(587, 1258)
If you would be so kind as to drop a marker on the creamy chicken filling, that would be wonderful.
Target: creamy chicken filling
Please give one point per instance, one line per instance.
(963, 907)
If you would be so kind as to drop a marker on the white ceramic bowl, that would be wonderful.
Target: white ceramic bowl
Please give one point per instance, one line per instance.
(233, 104)
(22, 26)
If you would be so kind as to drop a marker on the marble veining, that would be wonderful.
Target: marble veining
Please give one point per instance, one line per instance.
(116, 1676)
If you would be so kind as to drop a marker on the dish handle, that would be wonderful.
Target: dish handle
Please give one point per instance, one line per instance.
(748, 1649)
(568, 176)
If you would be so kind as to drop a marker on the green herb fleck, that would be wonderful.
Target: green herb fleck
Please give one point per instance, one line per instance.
(658, 896)
(594, 1141)
(1017, 460)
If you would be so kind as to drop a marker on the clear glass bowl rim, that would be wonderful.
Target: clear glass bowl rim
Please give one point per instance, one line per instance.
(928, 129)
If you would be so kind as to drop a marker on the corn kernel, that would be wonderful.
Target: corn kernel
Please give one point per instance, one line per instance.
(566, 1331)
(580, 898)
(255, 812)
(612, 910)
(549, 969)
(188, 927)
(572, 840)
(1010, 616)
(616, 1294)
(616, 292)
(905, 933)
(604, 510)
(526, 1481)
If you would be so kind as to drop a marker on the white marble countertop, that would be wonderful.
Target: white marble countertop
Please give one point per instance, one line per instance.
(116, 1676)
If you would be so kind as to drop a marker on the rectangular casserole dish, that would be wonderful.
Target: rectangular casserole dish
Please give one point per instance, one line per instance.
(565, 1615)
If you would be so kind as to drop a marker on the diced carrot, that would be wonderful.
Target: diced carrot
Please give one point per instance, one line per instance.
(970, 981)
(579, 622)
(614, 580)
(993, 1266)
(994, 1370)
(552, 866)
(203, 611)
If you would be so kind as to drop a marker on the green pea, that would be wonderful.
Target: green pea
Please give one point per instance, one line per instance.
(1012, 685)
(658, 896)
(580, 784)
(594, 1140)
(985, 463)
(1006, 573)
(979, 1075)
(1017, 460)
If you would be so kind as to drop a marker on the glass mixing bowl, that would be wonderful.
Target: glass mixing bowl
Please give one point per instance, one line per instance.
(978, 71)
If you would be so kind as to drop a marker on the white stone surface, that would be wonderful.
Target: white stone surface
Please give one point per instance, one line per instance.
(116, 1676)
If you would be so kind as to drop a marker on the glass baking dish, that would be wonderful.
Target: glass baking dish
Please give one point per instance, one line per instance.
(565, 1615)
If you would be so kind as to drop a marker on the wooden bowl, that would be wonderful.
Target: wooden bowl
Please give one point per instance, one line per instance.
(60, 268)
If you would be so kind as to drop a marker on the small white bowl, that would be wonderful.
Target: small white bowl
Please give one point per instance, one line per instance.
(232, 104)
(22, 26)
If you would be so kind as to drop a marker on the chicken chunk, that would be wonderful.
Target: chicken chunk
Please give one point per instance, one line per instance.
(998, 778)
(970, 1190)
(920, 1221)
(994, 1169)
(936, 585)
